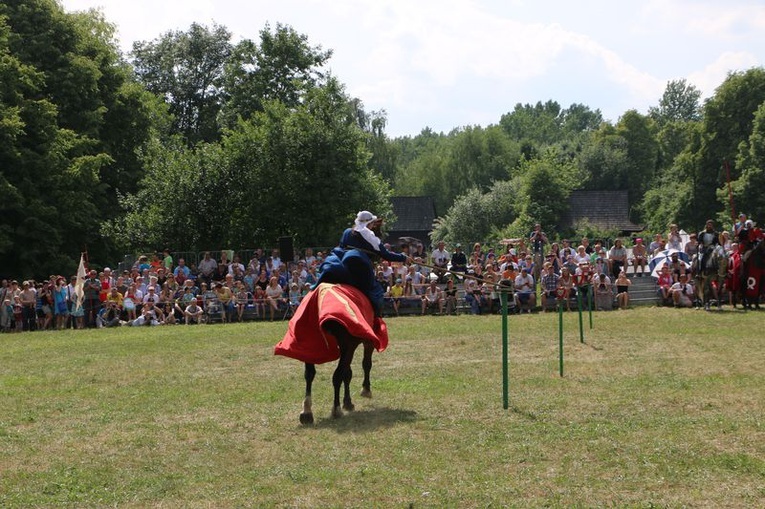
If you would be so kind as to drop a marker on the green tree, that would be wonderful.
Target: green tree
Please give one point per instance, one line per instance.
(748, 188)
(64, 157)
(186, 69)
(282, 67)
(642, 154)
(298, 172)
(728, 122)
(679, 103)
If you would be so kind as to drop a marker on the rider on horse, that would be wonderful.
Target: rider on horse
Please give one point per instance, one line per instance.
(707, 238)
(351, 261)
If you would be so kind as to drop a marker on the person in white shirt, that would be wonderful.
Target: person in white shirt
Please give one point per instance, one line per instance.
(432, 298)
(440, 257)
(524, 291)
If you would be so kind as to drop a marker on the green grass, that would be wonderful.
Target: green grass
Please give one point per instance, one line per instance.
(659, 407)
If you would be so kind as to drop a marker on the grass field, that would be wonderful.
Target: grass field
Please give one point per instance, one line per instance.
(659, 407)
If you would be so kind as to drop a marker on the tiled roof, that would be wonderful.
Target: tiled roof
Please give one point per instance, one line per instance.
(413, 213)
(608, 210)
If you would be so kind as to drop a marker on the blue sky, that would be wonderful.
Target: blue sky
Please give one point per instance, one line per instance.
(452, 63)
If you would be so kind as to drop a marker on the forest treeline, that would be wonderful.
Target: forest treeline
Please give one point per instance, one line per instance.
(193, 141)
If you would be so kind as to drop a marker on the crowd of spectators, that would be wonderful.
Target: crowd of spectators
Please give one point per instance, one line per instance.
(534, 272)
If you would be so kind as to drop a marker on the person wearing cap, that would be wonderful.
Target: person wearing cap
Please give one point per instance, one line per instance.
(459, 259)
(639, 257)
(351, 261)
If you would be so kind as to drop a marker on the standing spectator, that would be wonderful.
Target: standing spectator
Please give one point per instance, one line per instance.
(92, 302)
(60, 305)
(207, 268)
(167, 261)
(28, 298)
(674, 241)
(537, 240)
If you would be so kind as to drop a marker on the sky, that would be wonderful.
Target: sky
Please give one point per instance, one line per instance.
(446, 64)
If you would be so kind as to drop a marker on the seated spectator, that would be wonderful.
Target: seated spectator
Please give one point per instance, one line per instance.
(432, 298)
(440, 259)
(682, 293)
(450, 297)
(294, 297)
(225, 296)
(193, 313)
(243, 299)
(459, 259)
(691, 247)
(525, 291)
(396, 293)
(109, 315)
(550, 282)
(149, 316)
(664, 283)
(566, 282)
(274, 296)
(473, 296)
(639, 257)
(259, 301)
(657, 245)
(622, 284)
(617, 257)
(677, 267)
(604, 296)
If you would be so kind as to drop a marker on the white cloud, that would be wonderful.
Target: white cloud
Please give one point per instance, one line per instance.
(712, 76)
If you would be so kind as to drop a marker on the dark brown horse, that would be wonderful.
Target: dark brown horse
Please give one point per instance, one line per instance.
(343, 372)
(330, 324)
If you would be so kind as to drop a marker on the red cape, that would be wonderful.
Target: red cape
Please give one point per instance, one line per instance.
(308, 342)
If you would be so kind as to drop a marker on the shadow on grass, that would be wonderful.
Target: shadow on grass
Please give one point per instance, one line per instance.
(361, 421)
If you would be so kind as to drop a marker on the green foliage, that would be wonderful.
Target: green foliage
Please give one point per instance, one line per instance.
(680, 103)
(186, 70)
(727, 126)
(298, 172)
(64, 154)
(749, 188)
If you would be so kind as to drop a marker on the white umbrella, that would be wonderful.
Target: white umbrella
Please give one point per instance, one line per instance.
(657, 269)
(666, 255)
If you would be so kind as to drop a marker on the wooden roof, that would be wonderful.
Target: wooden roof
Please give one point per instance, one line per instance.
(607, 210)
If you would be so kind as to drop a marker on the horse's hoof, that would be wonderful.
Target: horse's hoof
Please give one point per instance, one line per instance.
(337, 413)
(306, 418)
(348, 407)
(366, 393)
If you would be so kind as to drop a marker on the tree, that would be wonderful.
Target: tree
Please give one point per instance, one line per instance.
(728, 122)
(298, 172)
(62, 79)
(186, 70)
(679, 103)
(283, 67)
(642, 154)
(748, 188)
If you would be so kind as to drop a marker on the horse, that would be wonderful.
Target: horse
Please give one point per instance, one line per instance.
(752, 274)
(330, 324)
(711, 275)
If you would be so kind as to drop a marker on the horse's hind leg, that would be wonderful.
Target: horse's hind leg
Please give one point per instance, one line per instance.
(366, 364)
(306, 416)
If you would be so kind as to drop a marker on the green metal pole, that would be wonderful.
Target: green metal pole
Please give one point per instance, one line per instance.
(505, 367)
(560, 335)
(579, 305)
(589, 303)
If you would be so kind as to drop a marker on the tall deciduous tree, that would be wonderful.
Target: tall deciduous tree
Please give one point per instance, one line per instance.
(186, 69)
(62, 160)
(679, 103)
